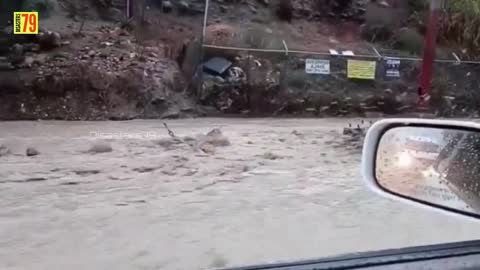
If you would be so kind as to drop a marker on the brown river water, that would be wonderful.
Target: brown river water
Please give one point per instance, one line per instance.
(283, 190)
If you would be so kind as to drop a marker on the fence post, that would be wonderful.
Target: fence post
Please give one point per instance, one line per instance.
(128, 9)
(249, 83)
(429, 53)
(283, 75)
(202, 48)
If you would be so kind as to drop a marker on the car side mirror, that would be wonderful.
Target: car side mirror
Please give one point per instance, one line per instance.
(429, 163)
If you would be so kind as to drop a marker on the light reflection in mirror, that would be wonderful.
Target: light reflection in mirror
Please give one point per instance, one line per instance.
(433, 165)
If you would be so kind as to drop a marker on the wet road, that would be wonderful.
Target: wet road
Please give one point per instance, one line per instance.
(284, 190)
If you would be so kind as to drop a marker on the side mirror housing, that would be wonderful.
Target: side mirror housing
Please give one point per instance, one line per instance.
(433, 164)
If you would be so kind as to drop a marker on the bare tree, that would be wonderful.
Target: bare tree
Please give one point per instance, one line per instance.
(83, 16)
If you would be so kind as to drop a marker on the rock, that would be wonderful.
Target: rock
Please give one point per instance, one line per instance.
(86, 172)
(271, 156)
(189, 139)
(91, 53)
(383, 4)
(207, 148)
(171, 113)
(214, 132)
(106, 44)
(49, 40)
(28, 61)
(183, 7)
(32, 152)
(167, 6)
(40, 59)
(223, 8)
(168, 143)
(216, 138)
(31, 47)
(4, 150)
(296, 133)
(100, 147)
(17, 49)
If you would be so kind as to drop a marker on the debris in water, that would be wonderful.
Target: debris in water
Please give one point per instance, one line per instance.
(121, 204)
(191, 172)
(168, 142)
(32, 152)
(4, 150)
(100, 147)
(170, 172)
(214, 138)
(271, 156)
(189, 139)
(207, 148)
(70, 183)
(295, 132)
(146, 169)
(86, 172)
(35, 179)
(170, 132)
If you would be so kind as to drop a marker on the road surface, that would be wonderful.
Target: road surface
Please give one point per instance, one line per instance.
(283, 190)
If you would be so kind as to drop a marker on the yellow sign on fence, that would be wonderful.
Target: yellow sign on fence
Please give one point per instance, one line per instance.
(25, 23)
(358, 69)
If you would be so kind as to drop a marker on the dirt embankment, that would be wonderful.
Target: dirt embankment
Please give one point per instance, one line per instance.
(102, 74)
(86, 68)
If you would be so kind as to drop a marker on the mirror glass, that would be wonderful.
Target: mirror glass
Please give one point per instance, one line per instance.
(432, 165)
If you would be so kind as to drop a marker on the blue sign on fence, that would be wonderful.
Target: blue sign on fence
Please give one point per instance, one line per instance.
(392, 68)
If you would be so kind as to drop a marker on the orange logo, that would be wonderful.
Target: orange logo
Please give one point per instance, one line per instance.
(25, 23)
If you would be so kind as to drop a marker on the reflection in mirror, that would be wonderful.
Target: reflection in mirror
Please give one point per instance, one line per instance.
(433, 165)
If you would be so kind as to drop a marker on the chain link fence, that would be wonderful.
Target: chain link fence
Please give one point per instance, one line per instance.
(297, 82)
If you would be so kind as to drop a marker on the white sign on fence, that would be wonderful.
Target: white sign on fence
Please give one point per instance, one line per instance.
(392, 68)
(317, 66)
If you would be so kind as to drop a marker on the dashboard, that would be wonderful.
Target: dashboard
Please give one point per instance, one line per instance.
(455, 256)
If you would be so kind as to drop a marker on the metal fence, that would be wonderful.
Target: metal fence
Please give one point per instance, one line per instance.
(277, 81)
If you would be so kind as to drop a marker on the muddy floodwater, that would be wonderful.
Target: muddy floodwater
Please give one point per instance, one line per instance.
(283, 190)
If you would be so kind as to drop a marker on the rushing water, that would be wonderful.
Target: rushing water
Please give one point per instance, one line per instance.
(284, 190)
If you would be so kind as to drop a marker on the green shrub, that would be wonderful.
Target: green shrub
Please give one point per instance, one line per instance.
(297, 79)
(466, 7)
(409, 40)
(377, 32)
(461, 27)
